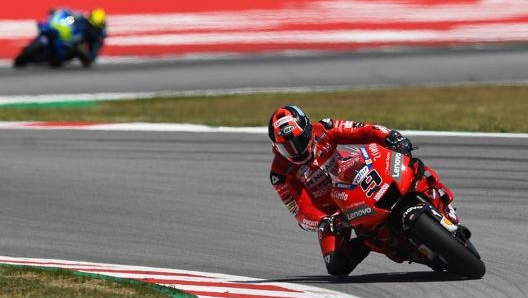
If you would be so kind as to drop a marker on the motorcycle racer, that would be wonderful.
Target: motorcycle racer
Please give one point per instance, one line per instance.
(63, 35)
(94, 34)
(305, 158)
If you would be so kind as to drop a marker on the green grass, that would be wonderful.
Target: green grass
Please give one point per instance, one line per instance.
(486, 108)
(22, 282)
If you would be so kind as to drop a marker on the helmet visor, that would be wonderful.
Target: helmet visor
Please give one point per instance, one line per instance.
(296, 149)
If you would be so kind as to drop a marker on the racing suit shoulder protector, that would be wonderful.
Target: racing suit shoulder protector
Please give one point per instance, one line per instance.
(327, 123)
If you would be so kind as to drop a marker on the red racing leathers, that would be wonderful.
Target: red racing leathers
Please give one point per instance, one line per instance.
(306, 189)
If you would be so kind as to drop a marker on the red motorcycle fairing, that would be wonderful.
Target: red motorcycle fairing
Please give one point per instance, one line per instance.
(366, 174)
(371, 179)
(397, 206)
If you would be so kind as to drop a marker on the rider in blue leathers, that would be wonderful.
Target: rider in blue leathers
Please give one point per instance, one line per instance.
(65, 35)
(94, 33)
(90, 32)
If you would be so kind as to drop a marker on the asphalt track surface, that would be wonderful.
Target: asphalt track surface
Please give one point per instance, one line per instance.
(381, 68)
(201, 201)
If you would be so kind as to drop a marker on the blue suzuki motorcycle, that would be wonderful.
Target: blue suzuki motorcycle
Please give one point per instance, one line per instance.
(57, 41)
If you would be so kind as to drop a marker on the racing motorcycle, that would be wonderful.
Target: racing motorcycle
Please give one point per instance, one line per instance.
(56, 42)
(400, 210)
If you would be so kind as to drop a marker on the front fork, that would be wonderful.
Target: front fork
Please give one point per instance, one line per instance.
(427, 182)
(411, 213)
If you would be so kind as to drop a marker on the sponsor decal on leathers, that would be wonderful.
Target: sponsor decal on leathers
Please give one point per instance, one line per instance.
(277, 178)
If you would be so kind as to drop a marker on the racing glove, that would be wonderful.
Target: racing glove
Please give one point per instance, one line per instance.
(333, 223)
(399, 143)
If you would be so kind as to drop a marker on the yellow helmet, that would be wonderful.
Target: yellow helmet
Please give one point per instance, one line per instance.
(97, 18)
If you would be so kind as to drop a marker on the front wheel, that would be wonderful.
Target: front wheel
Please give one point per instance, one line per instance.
(460, 260)
(34, 52)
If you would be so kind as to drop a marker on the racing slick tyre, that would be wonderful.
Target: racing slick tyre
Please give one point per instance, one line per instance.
(20, 61)
(460, 260)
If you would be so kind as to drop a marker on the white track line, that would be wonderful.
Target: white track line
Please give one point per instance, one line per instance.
(198, 283)
(198, 128)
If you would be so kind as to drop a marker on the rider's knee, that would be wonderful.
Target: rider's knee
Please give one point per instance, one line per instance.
(339, 264)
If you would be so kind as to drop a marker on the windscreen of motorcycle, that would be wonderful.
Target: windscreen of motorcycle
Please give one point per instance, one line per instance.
(352, 168)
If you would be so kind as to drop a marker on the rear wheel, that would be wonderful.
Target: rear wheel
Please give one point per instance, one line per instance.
(460, 260)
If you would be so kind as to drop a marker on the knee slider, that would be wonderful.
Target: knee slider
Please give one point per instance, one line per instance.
(338, 264)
